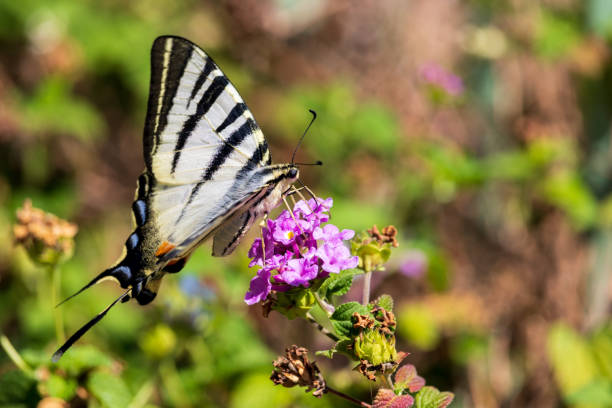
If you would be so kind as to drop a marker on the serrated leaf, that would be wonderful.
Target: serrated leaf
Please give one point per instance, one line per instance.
(431, 397)
(339, 284)
(111, 391)
(385, 301)
(386, 398)
(341, 319)
(342, 327)
(406, 377)
(345, 311)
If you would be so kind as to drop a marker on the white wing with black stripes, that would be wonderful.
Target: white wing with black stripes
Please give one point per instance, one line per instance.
(208, 172)
(199, 136)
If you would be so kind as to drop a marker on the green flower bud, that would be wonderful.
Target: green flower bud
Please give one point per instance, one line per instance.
(295, 302)
(375, 347)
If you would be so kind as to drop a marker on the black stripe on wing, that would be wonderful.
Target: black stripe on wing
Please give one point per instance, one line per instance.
(221, 155)
(206, 102)
(234, 114)
(169, 57)
(208, 68)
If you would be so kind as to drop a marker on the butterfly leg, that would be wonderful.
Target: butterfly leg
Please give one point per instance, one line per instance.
(292, 216)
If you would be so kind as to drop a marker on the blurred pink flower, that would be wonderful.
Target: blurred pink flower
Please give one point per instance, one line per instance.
(434, 74)
(414, 264)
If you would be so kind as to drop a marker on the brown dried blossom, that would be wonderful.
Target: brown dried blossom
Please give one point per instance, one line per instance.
(386, 319)
(46, 237)
(387, 235)
(295, 369)
(362, 321)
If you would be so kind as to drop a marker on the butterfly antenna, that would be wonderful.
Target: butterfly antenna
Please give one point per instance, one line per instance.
(314, 116)
(79, 333)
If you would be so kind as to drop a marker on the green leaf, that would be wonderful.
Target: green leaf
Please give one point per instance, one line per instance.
(385, 301)
(17, 387)
(340, 347)
(345, 311)
(338, 284)
(431, 397)
(341, 319)
(329, 353)
(342, 328)
(111, 391)
(81, 358)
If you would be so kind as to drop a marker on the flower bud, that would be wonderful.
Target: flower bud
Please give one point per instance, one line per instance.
(294, 303)
(375, 347)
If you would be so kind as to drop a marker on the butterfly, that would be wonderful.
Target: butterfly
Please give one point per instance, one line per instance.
(208, 173)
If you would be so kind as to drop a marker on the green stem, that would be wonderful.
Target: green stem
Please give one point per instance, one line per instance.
(320, 327)
(327, 308)
(55, 294)
(14, 355)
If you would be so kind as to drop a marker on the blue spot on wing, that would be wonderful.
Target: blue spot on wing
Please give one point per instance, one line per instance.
(140, 212)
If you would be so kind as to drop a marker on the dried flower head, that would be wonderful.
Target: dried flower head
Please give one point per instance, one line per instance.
(295, 369)
(388, 235)
(47, 238)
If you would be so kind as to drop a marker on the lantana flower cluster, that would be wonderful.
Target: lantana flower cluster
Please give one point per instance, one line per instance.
(296, 248)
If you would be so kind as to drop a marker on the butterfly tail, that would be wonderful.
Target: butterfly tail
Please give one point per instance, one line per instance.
(79, 333)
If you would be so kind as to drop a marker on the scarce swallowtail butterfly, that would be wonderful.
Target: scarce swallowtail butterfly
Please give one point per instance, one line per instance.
(208, 173)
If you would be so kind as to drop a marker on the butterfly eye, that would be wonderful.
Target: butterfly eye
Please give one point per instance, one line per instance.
(292, 173)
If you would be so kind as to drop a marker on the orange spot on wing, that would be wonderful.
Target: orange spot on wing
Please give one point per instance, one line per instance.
(173, 261)
(164, 248)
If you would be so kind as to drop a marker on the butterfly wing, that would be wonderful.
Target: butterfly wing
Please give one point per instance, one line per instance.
(199, 139)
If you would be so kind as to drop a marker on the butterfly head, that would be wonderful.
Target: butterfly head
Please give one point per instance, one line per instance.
(293, 173)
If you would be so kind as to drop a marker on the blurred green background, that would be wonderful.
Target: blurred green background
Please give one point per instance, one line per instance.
(480, 128)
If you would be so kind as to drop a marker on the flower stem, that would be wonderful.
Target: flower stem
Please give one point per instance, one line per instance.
(348, 398)
(320, 327)
(327, 308)
(55, 294)
(367, 278)
(14, 355)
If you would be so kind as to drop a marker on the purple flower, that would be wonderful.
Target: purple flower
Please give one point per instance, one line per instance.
(336, 258)
(259, 288)
(298, 250)
(436, 75)
(332, 235)
(286, 229)
(299, 271)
